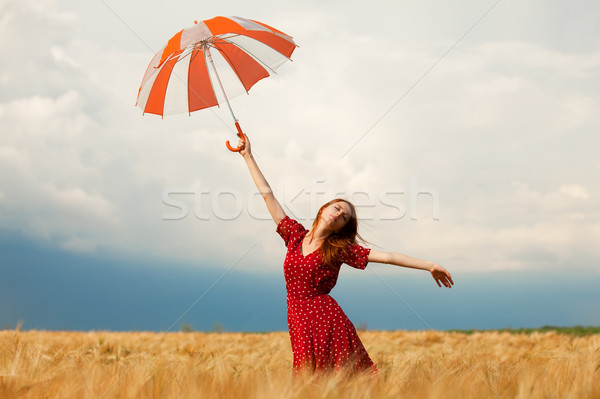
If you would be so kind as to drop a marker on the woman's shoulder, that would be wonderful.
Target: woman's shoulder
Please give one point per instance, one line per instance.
(291, 224)
(289, 228)
(355, 255)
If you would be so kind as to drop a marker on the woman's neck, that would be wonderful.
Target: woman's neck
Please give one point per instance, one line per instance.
(319, 233)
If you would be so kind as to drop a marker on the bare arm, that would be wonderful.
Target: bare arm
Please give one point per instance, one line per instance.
(275, 209)
(439, 274)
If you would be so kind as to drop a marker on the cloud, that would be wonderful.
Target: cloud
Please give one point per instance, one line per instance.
(502, 132)
(575, 191)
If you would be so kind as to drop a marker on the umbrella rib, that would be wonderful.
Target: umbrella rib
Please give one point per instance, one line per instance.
(183, 55)
(249, 53)
(231, 64)
(241, 34)
(192, 57)
(187, 52)
(207, 54)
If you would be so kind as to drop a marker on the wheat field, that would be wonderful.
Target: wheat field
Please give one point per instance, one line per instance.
(427, 364)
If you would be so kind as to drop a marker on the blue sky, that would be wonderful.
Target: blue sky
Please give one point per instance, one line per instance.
(50, 289)
(466, 133)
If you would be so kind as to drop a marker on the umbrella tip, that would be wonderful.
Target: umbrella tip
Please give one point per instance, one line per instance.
(195, 22)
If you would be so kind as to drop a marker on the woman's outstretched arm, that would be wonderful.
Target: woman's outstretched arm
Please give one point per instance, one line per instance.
(439, 274)
(275, 209)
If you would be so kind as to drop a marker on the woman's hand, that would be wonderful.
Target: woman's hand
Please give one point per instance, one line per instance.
(245, 145)
(441, 275)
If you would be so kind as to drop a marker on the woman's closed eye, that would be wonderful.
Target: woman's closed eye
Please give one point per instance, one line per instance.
(344, 214)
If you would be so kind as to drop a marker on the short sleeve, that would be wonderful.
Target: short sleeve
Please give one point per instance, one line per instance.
(288, 228)
(356, 256)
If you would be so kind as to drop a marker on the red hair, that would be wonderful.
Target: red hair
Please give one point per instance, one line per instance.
(337, 243)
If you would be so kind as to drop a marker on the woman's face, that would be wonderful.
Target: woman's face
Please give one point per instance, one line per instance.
(336, 215)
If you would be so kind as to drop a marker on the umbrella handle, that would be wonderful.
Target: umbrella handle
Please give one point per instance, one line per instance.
(240, 135)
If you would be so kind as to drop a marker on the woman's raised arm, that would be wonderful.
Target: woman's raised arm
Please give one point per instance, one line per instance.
(274, 207)
(439, 274)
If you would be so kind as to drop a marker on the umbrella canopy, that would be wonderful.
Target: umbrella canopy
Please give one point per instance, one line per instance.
(200, 66)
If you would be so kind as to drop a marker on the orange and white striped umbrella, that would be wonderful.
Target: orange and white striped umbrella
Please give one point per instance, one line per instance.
(203, 65)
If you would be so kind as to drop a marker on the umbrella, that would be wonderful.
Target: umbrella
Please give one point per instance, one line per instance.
(206, 64)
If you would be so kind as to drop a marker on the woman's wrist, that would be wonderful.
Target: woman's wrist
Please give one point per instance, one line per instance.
(430, 266)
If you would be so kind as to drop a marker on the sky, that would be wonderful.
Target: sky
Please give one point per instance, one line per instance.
(464, 131)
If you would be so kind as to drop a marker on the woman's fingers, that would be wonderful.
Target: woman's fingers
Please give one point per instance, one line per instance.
(448, 281)
(242, 141)
(244, 145)
(443, 277)
(444, 282)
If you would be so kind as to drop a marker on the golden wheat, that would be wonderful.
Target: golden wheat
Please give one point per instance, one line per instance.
(429, 364)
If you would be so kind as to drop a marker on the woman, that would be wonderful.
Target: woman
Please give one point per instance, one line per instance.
(322, 336)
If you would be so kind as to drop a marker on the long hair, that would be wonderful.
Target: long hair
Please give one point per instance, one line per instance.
(337, 243)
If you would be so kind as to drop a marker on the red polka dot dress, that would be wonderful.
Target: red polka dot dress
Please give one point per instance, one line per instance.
(322, 336)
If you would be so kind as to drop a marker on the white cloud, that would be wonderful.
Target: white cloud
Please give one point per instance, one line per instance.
(60, 56)
(575, 191)
(503, 128)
